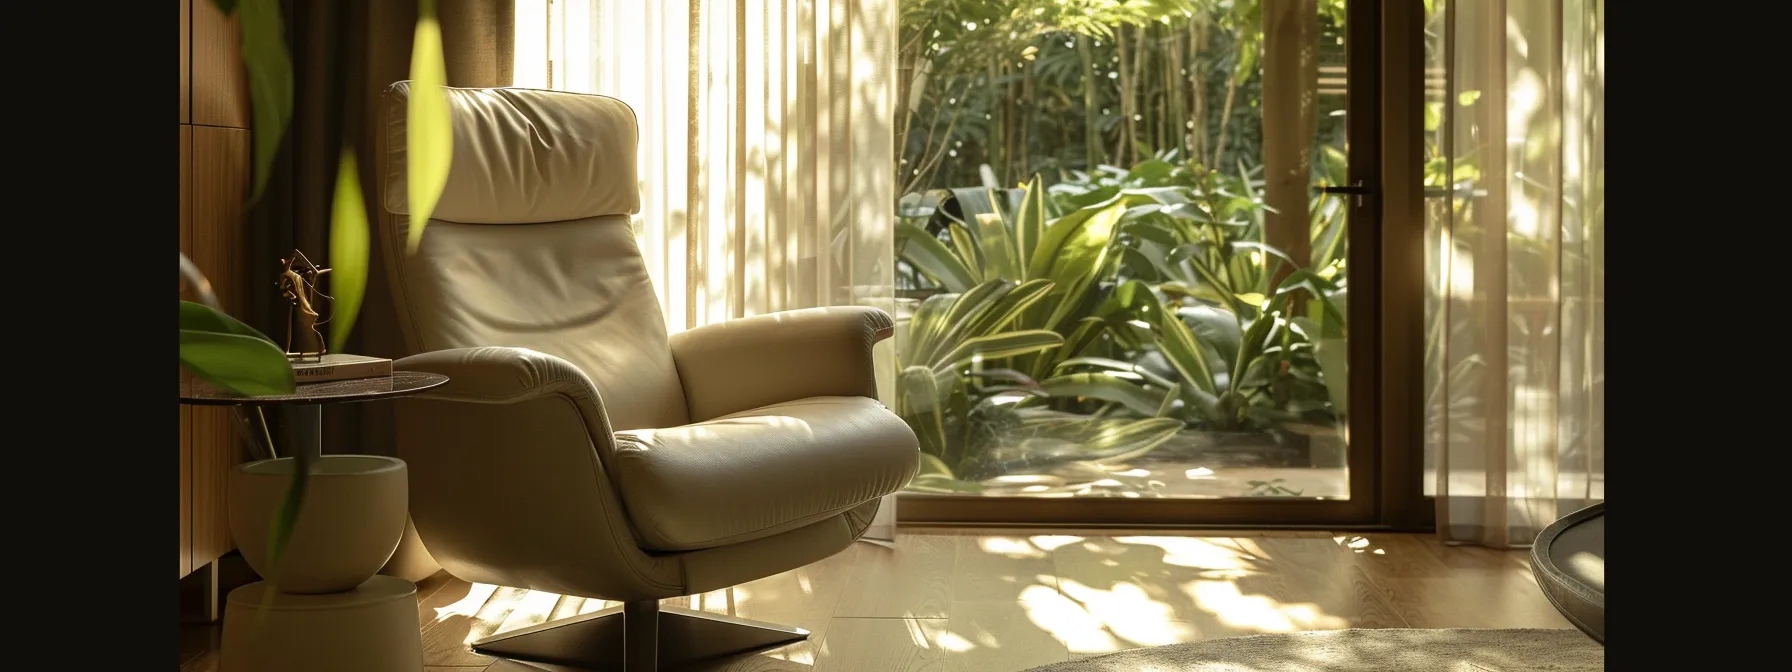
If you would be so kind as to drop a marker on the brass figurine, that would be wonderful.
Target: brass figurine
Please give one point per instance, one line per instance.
(298, 285)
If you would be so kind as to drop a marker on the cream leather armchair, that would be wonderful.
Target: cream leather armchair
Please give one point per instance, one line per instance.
(580, 450)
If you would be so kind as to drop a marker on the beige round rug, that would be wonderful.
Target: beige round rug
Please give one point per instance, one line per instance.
(1390, 650)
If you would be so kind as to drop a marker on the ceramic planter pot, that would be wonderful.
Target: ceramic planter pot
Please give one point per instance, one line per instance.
(352, 519)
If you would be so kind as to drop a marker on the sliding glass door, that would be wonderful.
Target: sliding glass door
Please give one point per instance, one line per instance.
(1129, 238)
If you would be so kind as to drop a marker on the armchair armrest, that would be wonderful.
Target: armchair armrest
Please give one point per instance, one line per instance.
(498, 375)
(767, 359)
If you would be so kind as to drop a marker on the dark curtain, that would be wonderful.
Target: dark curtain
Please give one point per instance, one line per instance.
(345, 53)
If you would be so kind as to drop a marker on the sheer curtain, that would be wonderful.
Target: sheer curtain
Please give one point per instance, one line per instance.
(1515, 420)
(766, 144)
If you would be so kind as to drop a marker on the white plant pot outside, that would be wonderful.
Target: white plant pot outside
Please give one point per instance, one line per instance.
(352, 519)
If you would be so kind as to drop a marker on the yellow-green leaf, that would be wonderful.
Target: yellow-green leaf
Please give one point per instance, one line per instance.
(245, 365)
(348, 250)
(270, 83)
(429, 138)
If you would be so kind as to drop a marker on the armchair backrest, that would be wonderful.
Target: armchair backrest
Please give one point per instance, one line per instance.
(531, 244)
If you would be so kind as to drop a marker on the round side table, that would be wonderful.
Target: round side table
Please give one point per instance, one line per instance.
(329, 609)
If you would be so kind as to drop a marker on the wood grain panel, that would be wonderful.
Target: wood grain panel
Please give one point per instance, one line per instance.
(186, 413)
(220, 179)
(186, 62)
(220, 87)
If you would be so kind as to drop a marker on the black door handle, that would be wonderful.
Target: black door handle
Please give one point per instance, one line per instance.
(1358, 189)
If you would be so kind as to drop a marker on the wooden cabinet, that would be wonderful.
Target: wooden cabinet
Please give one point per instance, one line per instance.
(214, 183)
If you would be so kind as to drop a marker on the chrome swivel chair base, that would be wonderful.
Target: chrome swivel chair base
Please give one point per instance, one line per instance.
(638, 637)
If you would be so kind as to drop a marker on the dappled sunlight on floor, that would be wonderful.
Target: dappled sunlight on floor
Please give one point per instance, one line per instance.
(1000, 601)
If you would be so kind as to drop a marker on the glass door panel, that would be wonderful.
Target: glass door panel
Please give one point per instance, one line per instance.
(1124, 247)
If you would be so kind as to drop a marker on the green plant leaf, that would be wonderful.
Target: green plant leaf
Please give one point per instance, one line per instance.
(236, 363)
(931, 257)
(199, 317)
(1106, 387)
(997, 346)
(348, 251)
(1029, 221)
(1072, 254)
(429, 134)
(270, 82)
(225, 6)
(1121, 441)
(1117, 365)
(999, 253)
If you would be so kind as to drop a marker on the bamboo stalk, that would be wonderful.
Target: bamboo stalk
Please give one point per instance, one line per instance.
(1030, 107)
(1092, 155)
(996, 141)
(1219, 141)
(1128, 107)
(1197, 44)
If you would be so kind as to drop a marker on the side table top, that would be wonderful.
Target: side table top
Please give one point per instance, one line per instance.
(400, 383)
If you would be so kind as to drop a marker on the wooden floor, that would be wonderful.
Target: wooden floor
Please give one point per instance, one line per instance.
(993, 601)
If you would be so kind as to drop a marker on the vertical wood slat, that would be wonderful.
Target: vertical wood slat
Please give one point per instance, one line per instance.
(220, 178)
(186, 414)
(220, 88)
(186, 63)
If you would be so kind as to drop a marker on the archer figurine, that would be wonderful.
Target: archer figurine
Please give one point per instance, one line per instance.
(298, 285)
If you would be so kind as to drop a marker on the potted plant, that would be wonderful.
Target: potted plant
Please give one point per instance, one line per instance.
(234, 357)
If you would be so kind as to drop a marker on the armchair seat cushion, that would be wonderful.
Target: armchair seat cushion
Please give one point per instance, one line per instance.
(760, 472)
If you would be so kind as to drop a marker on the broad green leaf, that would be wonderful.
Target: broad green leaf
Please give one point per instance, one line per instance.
(918, 402)
(1250, 348)
(964, 241)
(932, 466)
(1331, 351)
(931, 257)
(429, 134)
(348, 251)
(1131, 439)
(1117, 365)
(926, 327)
(244, 365)
(1073, 252)
(1106, 387)
(970, 202)
(1010, 306)
(270, 83)
(1029, 221)
(225, 6)
(1184, 351)
(1000, 257)
(199, 317)
(956, 322)
(1214, 327)
(997, 346)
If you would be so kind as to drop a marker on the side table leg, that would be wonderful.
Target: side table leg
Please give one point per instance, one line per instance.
(305, 426)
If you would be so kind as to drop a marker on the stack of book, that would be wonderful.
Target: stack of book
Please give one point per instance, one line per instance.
(340, 367)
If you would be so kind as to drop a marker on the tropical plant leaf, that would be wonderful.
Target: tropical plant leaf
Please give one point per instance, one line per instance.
(1000, 257)
(997, 346)
(199, 317)
(931, 257)
(348, 251)
(1073, 253)
(1147, 375)
(1106, 387)
(245, 365)
(269, 68)
(1010, 306)
(429, 133)
(1121, 441)
(1029, 221)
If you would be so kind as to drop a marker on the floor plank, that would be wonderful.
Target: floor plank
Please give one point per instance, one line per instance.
(911, 580)
(996, 600)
